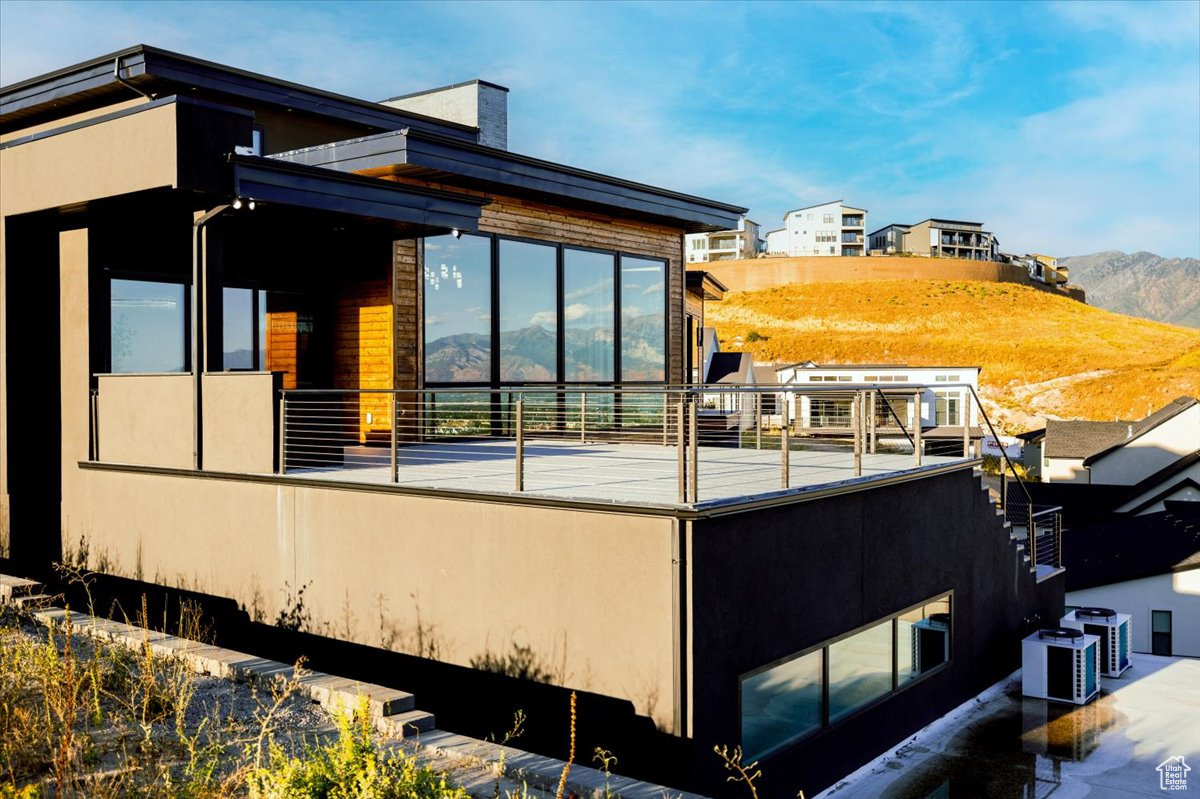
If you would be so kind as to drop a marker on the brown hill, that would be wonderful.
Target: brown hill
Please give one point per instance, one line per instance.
(1042, 355)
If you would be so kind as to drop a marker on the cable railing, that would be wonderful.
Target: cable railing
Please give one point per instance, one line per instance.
(675, 445)
(1040, 528)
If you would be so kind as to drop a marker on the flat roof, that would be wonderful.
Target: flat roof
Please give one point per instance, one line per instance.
(475, 82)
(430, 155)
(144, 68)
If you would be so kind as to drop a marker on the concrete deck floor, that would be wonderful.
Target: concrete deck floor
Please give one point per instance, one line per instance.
(1011, 746)
(628, 473)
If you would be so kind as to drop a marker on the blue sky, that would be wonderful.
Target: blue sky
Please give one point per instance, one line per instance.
(1066, 128)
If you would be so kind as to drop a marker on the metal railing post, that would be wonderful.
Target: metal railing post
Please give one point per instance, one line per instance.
(856, 420)
(1031, 535)
(665, 413)
(283, 434)
(94, 423)
(967, 433)
(395, 439)
(520, 446)
(583, 416)
(917, 444)
(681, 439)
(694, 460)
(873, 433)
(758, 424)
(785, 458)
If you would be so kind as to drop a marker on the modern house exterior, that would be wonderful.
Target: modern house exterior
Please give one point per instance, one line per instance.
(946, 401)
(725, 245)
(288, 340)
(832, 228)
(936, 238)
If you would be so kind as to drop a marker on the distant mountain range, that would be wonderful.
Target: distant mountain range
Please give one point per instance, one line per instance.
(529, 354)
(1140, 284)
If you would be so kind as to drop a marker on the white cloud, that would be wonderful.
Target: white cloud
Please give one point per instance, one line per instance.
(1153, 23)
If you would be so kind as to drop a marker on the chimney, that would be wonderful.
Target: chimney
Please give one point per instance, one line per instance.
(476, 103)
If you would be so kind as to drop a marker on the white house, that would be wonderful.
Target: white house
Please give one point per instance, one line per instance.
(945, 406)
(827, 229)
(725, 245)
(1119, 453)
(1147, 566)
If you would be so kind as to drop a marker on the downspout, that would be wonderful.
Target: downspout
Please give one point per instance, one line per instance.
(199, 349)
(123, 82)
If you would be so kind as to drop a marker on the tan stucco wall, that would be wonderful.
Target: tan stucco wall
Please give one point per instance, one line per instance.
(4, 504)
(145, 420)
(127, 154)
(75, 410)
(238, 435)
(765, 273)
(63, 122)
(591, 593)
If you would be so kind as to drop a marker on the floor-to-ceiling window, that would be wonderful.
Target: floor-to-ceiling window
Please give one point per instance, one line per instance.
(458, 309)
(501, 311)
(643, 319)
(528, 312)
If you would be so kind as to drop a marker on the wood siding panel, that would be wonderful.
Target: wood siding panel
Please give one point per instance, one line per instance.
(362, 352)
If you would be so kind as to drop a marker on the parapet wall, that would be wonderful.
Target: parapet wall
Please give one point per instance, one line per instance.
(765, 273)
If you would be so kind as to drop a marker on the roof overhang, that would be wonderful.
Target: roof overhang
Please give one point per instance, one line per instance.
(156, 72)
(703, 283)
(314, 188)
(420, 154)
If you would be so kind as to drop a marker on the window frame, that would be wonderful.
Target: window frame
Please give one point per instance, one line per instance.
(823, 647)
(494, 382)
(139, 276)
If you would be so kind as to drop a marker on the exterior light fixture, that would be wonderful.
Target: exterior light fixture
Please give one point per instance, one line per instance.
(237, 203)
(456, 233)
(250, 204)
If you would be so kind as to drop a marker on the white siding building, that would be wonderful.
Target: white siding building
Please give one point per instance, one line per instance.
(828, 229)
(724, 245)
(946, 403)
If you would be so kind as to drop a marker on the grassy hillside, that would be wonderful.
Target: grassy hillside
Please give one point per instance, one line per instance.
(1042, 355)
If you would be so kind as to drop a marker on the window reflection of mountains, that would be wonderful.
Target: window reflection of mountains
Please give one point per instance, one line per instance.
(529, 353)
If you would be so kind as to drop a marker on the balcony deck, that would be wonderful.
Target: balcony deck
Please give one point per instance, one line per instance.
(630, 474)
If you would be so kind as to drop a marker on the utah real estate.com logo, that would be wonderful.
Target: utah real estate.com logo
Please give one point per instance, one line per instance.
(1172, 774)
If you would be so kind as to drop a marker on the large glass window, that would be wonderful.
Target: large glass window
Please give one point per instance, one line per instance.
(243, 329)
(148, 323)
(922, 640)
(781, 703)
(528, 312)
(557, 313)
(785, 701)
(643, 319)
(860, 669)
(589, 334)
(458, 309)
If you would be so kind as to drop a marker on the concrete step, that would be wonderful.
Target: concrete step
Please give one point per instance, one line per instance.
(33, 601)
(13, 587)
(406, 724)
